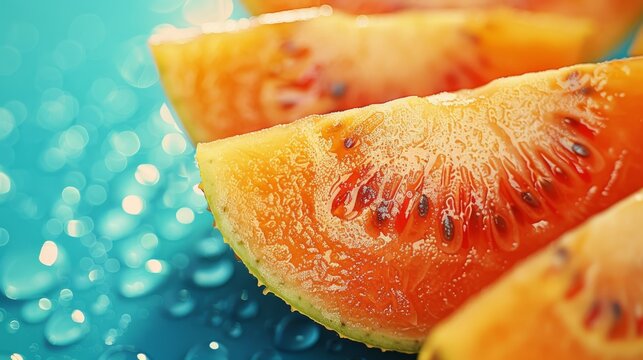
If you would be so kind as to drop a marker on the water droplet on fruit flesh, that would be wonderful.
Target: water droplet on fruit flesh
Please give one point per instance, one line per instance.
(208, 351)
(296, 333)
(66, 327)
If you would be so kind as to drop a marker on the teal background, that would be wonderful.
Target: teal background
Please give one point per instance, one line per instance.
(81, 109)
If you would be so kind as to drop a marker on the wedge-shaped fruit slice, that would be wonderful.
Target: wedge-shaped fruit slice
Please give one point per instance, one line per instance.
(277, 68)
(616, 17)
(580, 299)
(378, 222)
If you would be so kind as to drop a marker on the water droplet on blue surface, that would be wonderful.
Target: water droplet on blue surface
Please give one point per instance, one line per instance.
(266, 354)
(4, 237)
(296, 333)
(246, 309)
(123, 353)
(23, 276)
(101, 304)
(7, 123)
(5, 183)
(213, 275)
(140, 282)
(208, 351)
(234, 329)
(14, 326)
(210, 247)
(180, 303)
(36, 311)
(66, 327)
(334, 345)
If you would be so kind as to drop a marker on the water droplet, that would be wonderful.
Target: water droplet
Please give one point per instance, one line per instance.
(234, 329)
(36, 311)
(7, 123)
(23, 276)
(95, 194)
(296, 333)
(266, 354)
(5, 183)
(133, 204)
(334, 345)
(173, 144)
(198, 12)
(4, 237)
(147, 174)
(213, 275)
(180, 303)
(66, 295)
(101, 304)
(123, 353)
(10, 60)
(185, 215)
(246, 309)
(135, 63)
(208, 351)
(14, 326)
(66, 327)
(140, 282)
(126, 142)
(210, 247)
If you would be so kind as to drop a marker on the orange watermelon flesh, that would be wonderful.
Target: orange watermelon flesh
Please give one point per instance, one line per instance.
(252, 74)
(579, 299)
(380, 221)
(616, 17)
(637, 45)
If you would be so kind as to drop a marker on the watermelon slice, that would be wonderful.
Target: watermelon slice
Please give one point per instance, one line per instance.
(580, 299)
(616, 17)
(380, 221)
(242, 76)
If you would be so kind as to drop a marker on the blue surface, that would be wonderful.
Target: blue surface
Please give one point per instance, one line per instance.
(81, 109)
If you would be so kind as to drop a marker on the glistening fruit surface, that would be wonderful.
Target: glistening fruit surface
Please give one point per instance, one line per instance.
(252, 74)
(380, 221)
(580, 299)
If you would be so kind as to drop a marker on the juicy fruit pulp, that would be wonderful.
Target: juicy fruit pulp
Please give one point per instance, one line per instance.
(274, 69)
(615, 16)
(580, 299)
(378, 222)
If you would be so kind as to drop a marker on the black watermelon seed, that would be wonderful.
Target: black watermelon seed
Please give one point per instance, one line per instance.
(349, 142)
(529, 199)
(448, 227)
(580, 150)
(366, 194)
(500, 223)
(423, 206)
(382, 213)
(338, 89)
(562, 254)
(617, 310)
